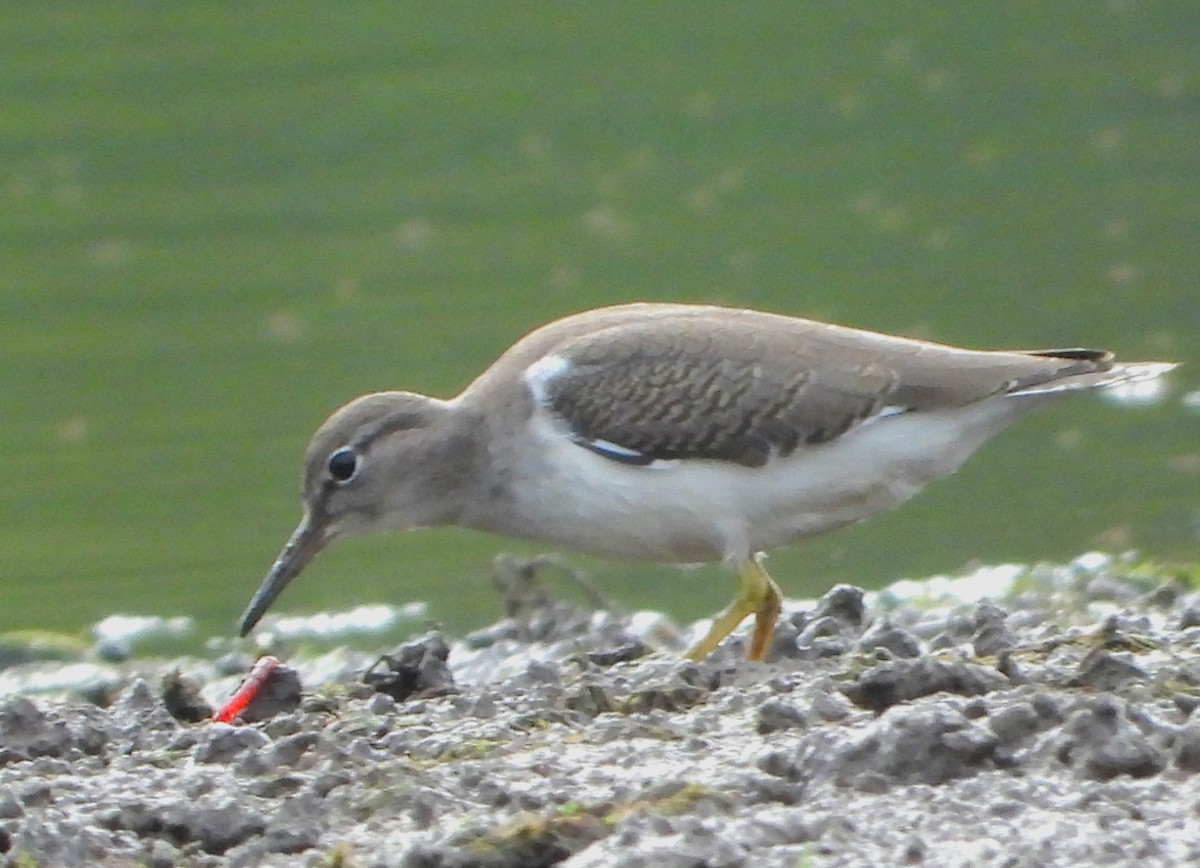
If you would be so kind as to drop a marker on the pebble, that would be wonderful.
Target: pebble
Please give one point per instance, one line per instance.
(975, 731)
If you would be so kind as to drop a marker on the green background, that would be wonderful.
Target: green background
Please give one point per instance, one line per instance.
(220, 221)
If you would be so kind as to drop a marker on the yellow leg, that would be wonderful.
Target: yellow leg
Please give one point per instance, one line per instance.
(757, 595)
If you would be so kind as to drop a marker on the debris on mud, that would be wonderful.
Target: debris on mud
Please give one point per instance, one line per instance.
(1049, 723)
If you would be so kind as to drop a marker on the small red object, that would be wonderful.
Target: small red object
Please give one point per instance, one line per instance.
(248, 690)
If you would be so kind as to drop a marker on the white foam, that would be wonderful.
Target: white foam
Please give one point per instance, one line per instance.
(130, 628)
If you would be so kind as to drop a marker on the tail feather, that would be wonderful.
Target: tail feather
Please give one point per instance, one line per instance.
(1099, 358)
(1114, 375)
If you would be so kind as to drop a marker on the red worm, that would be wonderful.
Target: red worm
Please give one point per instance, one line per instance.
(248, 690)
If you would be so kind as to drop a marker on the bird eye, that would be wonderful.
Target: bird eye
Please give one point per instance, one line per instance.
(343, 464)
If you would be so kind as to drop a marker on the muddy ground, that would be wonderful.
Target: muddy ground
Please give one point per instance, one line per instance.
(1050, 726)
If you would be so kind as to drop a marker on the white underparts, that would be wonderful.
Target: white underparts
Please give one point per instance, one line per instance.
(702, 510)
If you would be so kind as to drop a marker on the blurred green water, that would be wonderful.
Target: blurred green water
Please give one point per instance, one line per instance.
(218, 222)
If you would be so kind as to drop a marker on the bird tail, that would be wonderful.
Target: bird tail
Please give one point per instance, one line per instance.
(1115, 374)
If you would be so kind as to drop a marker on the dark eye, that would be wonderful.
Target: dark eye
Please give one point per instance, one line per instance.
(343, 464)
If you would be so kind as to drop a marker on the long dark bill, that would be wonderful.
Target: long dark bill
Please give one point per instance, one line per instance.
(305, 542)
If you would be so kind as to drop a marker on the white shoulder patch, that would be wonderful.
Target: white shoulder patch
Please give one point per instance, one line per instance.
(542, 373)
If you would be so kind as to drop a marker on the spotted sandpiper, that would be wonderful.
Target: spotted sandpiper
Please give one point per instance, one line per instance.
(674, 433)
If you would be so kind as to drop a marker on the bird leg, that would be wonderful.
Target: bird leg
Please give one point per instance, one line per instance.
(757, 595)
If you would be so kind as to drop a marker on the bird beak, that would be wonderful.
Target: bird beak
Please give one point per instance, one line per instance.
(306, 541)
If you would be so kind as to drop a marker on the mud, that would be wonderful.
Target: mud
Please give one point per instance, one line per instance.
(1050, 725)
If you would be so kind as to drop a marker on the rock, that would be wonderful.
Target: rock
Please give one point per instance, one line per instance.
(991, 633)
(1102, 670)
(1187, 747)
(213, 824)
(885, 685)
(1016, 722)
(830, 706)
(622, 654)
(26, 732)
(776, 714)
(911, 745)
(1100, 742)
(897, 642)
(280, 693)
(417, 668)
(843, 603)
(223, 743)
(181, 696)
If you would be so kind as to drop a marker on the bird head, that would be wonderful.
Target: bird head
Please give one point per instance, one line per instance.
(385, 461)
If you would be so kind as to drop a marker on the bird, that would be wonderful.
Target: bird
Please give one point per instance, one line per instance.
(674, 433)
